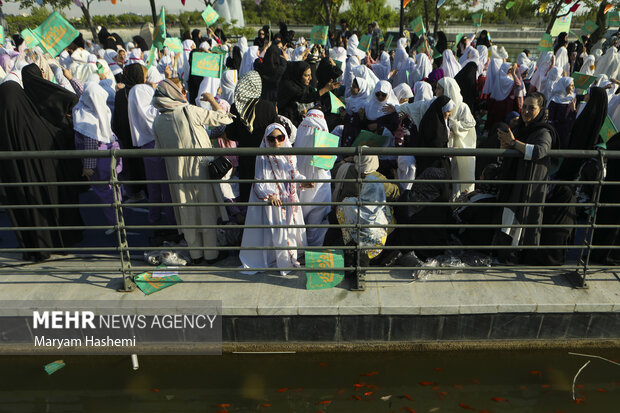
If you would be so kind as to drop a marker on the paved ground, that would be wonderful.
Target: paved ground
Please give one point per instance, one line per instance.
(388, 292)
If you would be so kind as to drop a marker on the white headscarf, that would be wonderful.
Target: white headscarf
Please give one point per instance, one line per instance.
(91, 115)
(554, 75)
(242, 44)
(383, 67)
(356, 102)
(141, 114)
(65, 60)
(540, 74)
(365, 73)
(608, 64)
(352, 49)
(524, 61)
(229, 82)
(587, 68)
(423, 91)
(339, 54)
(492, 73)
(247, 61)
(135, 56)
(423, 68)
(450, 65)
(153, 75)
(110, 57)
(374, 108)
(597, 54)
(483, 55)
(558, 92)
(472, 55)
(452, 90)
(561, 60)
(403, 91)
(503, 84)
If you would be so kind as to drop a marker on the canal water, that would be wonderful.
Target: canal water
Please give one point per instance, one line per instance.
(535, 381)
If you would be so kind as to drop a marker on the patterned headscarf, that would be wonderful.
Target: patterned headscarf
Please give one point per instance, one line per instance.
(247, 94)
(168, 96)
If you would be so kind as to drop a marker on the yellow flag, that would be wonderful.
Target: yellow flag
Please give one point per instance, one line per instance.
(542, 8)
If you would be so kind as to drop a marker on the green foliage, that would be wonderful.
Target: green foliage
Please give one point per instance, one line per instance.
(360, 14)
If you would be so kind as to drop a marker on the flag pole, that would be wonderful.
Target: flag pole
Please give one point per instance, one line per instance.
(402, 18)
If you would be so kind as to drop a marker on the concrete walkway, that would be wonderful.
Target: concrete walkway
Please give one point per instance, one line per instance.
(388, 292)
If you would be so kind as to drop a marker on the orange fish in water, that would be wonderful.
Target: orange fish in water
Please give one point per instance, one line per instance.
(442, 394)
(358, 385)
(458, 386)
(341, 391)
(579, 386)
(435, 388)
(368, 393)
(437, 369)
(580, 401)
(223, 405)
(545, 386)
(408, 409)
(282, 390)
(536, 373)
(601, 390)
(372, 373)
(323, 364)
(222, 411)
(155, 390)
(406, 396)
(325, 402)
(466, 407)
(427, 383)
(265, 405)
(475, 381)
(356, 397)
(499, 399)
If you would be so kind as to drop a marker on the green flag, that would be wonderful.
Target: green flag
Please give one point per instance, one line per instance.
(324, 260)
(613, 18)
(436, 53)
(370, 139)
(607, 131)
(318, 35)
(336, 104)
(589, 27)
(151, 282)
(388, 42)
(477, 19)
(174, 44)
(54, 366)
(210, 16)
(365, 43)
(151, 58)
(582, 81)
(546, 43)
(55, 34)
(159, 37)
(30, 38)
(417, 25)
(1, 34)
(457, 39)
(509, 5)
(207, 64)
(324, 139)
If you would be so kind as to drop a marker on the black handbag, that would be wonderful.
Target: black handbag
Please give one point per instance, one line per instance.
(219, 167)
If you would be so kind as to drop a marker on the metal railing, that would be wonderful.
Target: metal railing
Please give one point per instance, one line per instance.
(577, 271)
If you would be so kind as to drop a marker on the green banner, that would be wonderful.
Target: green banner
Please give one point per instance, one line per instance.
(613, 18)
(336, 104)
(218, 50)
(365, 43)
(174, 44)
(370, 139)
(1, 34)
(318, 35)
(582, 81)
(509, 5)
(55, 33)
(436, 53)
(589, 27)
(477, 19)
(151, 282)
(546, 43)
(562, 24)
(54, 366)
(207, 64)
(338, 63)
(324, 260)
(457, 39)
(417, 25)
(388, 42)
(151, 57)
(210, 16)
(324, 139)
(30, 38)
(607, 131)
(159, 36)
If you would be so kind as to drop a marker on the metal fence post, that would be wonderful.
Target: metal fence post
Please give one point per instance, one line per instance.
(128, 284)
(358, 251)
(589, 236)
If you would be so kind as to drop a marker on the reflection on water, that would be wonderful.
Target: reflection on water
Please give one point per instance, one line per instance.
(539, 381)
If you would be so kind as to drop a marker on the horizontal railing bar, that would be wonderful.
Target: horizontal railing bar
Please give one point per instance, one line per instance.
(348, 151)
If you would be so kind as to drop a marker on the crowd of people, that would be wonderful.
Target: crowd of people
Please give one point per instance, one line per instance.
(277, 93)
